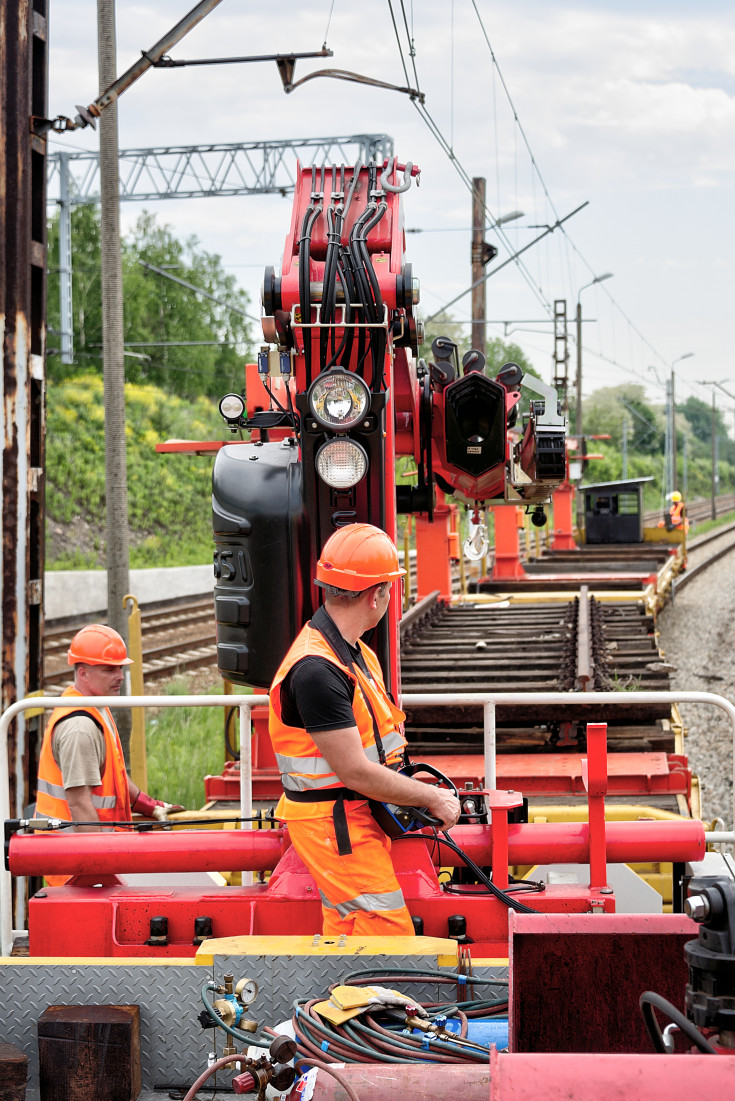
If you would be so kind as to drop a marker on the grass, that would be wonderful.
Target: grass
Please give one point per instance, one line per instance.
(183, 745)
(703, 526)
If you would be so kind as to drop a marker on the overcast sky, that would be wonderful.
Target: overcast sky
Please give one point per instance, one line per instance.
(628, 105)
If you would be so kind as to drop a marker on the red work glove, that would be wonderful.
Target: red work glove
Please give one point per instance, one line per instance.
(152, 808)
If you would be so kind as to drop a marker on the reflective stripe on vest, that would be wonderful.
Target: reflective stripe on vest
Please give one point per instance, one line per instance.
(391, 900)
(304, 773)
(301, 768)
(99, 801)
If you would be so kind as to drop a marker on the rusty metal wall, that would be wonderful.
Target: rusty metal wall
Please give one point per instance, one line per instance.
(23, 95)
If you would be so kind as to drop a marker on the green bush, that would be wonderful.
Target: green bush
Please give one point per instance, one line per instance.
(169, 495)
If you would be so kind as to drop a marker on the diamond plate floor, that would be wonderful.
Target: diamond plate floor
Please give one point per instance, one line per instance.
(174, 1048)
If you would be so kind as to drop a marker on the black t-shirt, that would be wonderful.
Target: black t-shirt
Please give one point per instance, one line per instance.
(317, 696)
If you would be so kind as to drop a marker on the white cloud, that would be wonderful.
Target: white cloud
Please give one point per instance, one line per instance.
(631, 106)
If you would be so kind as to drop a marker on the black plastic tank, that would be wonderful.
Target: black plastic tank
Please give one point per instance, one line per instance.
(262, 592)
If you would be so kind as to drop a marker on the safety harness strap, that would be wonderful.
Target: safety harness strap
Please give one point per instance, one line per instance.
(322, 623)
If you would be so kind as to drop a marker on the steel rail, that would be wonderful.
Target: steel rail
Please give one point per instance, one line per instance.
(685, 578)
(585, 661)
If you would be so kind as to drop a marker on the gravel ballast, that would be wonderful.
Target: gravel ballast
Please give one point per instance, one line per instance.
(697, 637)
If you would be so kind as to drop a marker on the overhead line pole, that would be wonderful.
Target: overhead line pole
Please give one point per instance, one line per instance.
(117, 536)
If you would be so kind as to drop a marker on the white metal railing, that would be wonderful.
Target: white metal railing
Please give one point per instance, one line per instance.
(488, 701)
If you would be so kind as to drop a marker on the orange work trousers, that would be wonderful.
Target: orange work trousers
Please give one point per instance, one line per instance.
(359, 892)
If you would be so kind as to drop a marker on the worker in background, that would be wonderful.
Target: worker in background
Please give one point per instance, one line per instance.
(338, 738)
(81, 769)
(676, 519)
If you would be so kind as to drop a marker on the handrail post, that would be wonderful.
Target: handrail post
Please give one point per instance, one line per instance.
(489, 742)
(246, 777)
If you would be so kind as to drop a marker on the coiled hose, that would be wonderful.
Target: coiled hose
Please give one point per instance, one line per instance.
(369, 1041)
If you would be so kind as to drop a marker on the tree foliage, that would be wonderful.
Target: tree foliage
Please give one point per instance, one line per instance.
(191, 345)
(607, 408)
(699, 415)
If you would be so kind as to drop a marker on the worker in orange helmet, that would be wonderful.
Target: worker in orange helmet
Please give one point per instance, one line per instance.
(81, 768)
(338, 737)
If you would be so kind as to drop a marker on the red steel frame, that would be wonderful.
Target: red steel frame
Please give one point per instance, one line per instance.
(113, 920)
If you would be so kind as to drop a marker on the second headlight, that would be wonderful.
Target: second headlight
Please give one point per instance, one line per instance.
(341, 463)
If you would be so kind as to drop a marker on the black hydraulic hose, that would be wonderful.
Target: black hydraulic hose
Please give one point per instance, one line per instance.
(307, 228)
(304, 290)
(329, 280)
(506, 899)
(361, 280)
(353, 185)
(363, 294)
(349, 286)
(347, 317)
(378, 336)
(647, 1001)
(312, 213)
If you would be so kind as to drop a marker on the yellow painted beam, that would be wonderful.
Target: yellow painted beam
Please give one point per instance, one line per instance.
(444, 950)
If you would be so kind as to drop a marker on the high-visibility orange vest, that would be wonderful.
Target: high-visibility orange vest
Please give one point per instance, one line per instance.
(676, 513)
(110, 798)
(300, 763)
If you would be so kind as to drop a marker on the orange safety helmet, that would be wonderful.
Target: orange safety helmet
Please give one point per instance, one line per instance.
(98, 645)
(356, 557)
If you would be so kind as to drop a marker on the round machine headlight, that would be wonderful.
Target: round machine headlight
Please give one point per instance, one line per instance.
(232, 407)
(341, 463)
(339, 399)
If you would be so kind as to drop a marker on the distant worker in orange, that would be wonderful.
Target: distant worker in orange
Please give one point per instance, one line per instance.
(338, 737)
(81, 769)
(676, 519)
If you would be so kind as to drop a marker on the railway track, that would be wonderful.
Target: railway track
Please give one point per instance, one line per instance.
(179, 637)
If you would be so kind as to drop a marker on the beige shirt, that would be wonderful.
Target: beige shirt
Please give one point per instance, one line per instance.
(78, 746)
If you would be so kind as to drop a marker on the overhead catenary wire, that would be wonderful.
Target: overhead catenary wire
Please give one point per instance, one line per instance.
(456, 163)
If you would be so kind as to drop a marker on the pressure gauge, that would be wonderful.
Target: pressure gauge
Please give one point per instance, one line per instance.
(247, 991)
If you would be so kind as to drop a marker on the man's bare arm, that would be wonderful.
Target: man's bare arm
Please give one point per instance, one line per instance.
(345, 755)
(82, 809)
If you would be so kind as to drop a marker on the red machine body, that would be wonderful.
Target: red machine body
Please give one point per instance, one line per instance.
(83, 919)
(341, 377)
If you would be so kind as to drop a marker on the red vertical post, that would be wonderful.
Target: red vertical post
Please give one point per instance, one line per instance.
(507, 564)
(500, 804)
(594, 775)
(563, 499)
(434, 547)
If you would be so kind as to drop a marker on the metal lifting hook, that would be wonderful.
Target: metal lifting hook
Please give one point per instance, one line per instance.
(477, 543)
(396, 189)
